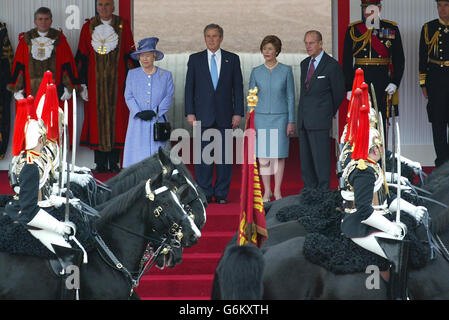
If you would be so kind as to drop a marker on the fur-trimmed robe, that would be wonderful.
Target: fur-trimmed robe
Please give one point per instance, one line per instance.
(6, 59)
(27, 72)
(105, 114)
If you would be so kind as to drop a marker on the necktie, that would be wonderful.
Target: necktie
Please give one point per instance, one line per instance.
(214, 71)
(310, 73)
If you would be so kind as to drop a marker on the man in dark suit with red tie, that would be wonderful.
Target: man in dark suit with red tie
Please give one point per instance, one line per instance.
(322, 92)
(214, 96)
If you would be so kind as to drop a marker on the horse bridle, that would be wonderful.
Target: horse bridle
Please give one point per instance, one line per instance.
(174, 240)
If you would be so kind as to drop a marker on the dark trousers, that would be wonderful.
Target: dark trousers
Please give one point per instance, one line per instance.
(438, 110)
(440, 142)
(107, 159)
(314, 154)
(204, 172)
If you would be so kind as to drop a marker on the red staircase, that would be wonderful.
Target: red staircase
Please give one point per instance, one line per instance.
(192, 279)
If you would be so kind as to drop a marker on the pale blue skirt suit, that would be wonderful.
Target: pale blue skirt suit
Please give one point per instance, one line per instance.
(275, 109)
(145, 92)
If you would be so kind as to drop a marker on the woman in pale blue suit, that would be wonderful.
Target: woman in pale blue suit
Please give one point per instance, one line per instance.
(274, 114)
(148, 89)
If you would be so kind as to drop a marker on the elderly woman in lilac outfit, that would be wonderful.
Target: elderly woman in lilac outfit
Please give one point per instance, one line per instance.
(148, 94)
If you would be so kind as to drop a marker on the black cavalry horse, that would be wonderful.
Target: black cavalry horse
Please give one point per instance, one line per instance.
(288, 274)
(176, 177)
(126, 225)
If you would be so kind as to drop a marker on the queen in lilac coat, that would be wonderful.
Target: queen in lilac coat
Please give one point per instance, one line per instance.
(145, 92)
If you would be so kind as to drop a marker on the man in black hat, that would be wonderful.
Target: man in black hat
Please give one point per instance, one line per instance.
(434, 77)
(375, 45)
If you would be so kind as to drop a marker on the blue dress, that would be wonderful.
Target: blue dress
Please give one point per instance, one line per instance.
(275, 109)
(145, 92)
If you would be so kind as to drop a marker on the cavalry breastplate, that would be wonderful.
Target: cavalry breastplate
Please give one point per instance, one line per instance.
(380, 191)
(46, 173)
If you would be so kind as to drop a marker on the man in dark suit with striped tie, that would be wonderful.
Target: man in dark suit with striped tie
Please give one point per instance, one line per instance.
(214, 96)
(322, 92)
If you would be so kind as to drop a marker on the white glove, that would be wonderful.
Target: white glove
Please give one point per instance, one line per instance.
(19, 95)
(82, 179)
(391, 88)
(393, 178)
(416, 166)
(419, 213)
(416, 212)
(66, 95)
(57, 201)
(348, 95)
(83, 170)
(84, 94)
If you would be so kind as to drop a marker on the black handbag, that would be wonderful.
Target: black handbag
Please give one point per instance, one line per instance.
(161, 130)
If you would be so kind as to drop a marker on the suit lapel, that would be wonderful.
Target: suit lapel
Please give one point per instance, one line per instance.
(304, 70)
(321, 66)
(223, 66)
(205, 67)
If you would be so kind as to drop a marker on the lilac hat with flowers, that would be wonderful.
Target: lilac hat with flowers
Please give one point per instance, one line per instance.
(147, 45)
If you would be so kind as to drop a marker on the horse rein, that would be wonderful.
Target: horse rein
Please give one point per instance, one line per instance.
(164, 247)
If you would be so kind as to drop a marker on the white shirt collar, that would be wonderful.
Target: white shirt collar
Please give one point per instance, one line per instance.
(317, 59)
(42, 34)
(217, 54)
(108, 22)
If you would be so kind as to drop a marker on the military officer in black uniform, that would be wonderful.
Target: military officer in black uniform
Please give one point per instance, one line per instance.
(375, 45)
(434, 77)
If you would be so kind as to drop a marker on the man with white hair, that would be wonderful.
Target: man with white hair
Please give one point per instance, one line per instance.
(103, 60)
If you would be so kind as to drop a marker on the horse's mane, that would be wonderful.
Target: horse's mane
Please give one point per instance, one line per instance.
(120, 204)
(438, 178)
(128, 178)
(438, 183)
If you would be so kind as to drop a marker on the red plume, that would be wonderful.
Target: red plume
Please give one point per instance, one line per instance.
(365, 94)
(354, 124)
(361, 143)
(50, 112)
(358, 80)
(47, 79)
(18, 143)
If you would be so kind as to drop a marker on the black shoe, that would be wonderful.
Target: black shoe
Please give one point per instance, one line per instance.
(68, 257)
(221, 201)
(209, 199)
(114, 168)
(100, 169)
(397, 253)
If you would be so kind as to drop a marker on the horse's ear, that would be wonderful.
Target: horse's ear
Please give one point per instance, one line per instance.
(165, 161)
(156, 181)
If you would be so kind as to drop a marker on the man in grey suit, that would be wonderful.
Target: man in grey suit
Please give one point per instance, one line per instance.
(322, 92)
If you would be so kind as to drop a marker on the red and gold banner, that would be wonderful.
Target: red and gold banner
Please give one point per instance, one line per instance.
(252, 225)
